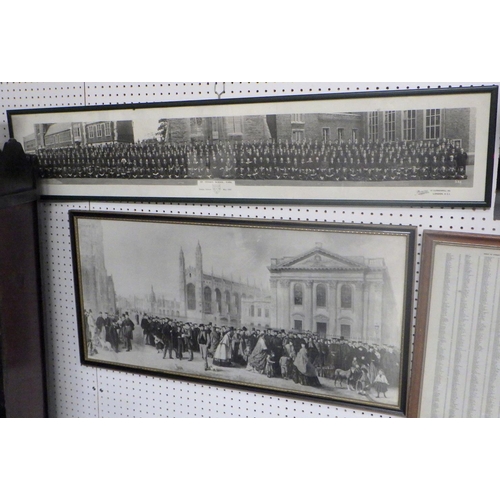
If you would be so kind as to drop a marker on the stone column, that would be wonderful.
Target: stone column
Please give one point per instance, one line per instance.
(366, 310)
(284, 298)
(375, 319)
(332, 309)
(309, 306)
(273, 313)
(358, 315)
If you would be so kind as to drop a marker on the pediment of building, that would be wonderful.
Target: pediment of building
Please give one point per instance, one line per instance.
(318, 259)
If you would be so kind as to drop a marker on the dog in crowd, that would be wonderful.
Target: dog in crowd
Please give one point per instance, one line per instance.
(343, 375)
(159, 344)
(107, 346)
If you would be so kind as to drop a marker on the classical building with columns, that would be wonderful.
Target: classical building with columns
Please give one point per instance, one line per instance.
(333, 296)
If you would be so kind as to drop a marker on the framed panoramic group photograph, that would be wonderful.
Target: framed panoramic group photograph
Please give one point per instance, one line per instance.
(405, 147)
(456, 357)
(320, 311)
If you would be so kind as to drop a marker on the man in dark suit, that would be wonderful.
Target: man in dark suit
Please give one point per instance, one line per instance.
(461, 160)
(128, 331)
(167, 338)
(195, 333)
(187, 336)
(107, 327)
(204, 342)
(179, 332)
(145, 325)
(99, 325)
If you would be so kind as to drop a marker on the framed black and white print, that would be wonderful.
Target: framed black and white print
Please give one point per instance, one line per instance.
(428, 147)
(314, 310)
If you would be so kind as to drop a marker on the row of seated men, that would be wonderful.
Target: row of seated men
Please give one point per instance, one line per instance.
(371, 171)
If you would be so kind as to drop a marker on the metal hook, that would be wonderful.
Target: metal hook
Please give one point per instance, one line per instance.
(223, 89)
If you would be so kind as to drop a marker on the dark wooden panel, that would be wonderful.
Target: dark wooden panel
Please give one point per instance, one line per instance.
(20, 313)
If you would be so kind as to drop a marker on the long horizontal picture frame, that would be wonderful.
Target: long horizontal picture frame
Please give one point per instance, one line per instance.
(406, 147)
(312, 310)
(456, 356)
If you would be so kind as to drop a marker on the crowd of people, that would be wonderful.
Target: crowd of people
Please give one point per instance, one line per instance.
(260, 160)
(303, 357)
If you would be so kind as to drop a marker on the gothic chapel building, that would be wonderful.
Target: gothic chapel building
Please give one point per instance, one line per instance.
(218, 299)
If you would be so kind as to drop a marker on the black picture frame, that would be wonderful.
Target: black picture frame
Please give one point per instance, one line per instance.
(237, 279)
(356, 148)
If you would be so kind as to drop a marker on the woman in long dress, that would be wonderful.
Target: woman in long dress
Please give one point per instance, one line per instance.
(222, 354)
(215, 338)
(257, 359)
(304, 372)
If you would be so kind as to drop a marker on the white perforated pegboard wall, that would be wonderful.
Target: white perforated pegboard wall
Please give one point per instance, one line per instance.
(79, 391)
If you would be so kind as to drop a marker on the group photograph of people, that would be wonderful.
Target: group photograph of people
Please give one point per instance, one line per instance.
(268, 357)
(265, 160)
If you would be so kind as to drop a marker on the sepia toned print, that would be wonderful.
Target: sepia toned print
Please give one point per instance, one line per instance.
(317, 310)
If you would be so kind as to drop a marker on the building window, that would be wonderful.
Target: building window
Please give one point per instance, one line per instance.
(298, 294)
(409, 125)
(195, 123)
(390, 126)
(345, 331)
(321, 296)
(215, 128)
(297, 118)
(340, 134)
(326, 134)
(191, 297)
(91, 132)
(99, 130)
(252, 310)
(234, 125)
(321, 329)
(297, 325)
(373, 126)
(354, 135)
(346, 297)
(297, 135)
(433, 124)
(107, 129)
(259, 312)
(207, 300)
(218, 300)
